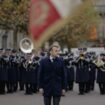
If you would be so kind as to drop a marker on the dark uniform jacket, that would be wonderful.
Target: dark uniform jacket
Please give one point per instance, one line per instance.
(100, 75)
(82, 71)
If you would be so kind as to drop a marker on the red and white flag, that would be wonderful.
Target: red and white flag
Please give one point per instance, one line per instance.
(45, 17)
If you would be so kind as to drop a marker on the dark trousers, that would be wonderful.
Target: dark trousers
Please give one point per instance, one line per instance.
(28, 88)
(2, 87)
(87, 87)
(70, 85)
(82, 88)
(102, 87)
(90, 86)
(10, 87)
(47, 100)
(34, 88)
(21, 85)
(15, 86)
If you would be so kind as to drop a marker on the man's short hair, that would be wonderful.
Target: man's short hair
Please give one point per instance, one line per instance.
(52, 46)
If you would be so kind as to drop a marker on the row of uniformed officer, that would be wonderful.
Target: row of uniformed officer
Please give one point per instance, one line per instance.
(12, 72)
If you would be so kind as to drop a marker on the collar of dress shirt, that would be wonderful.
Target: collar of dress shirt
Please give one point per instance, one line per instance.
(51, 58)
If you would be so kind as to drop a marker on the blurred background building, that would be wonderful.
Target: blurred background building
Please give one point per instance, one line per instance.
(99, 6)
(7, 37)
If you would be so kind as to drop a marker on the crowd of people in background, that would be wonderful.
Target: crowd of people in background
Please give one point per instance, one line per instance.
(19, 71)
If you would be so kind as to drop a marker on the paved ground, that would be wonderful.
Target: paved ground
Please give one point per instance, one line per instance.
(72, 98)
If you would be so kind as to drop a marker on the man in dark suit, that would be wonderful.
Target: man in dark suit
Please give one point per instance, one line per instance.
(52, 77)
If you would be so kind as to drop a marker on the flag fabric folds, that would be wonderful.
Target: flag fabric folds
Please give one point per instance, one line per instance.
(45, 16)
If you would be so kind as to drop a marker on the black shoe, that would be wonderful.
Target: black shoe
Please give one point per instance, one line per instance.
(102, 93)
(21, 89)
(2, 93)
(63, 95)
(14, 90)
(70, 89)
(28, 93)
(92, 89)
(80, 93)
(34, 91)
(87, 91)
(9, 91)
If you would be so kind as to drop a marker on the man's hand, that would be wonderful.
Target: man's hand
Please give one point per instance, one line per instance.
(63, 92)
(41, 91)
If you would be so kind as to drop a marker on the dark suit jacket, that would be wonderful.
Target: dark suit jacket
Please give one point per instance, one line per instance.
(52, 76)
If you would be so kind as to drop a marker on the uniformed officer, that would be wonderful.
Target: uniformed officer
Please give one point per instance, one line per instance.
(21, 72)
(35, 68)
(82, 74)
(29, 74)
(92, 76)
(101, 73)
(68, 61)
(3, 72)
(12, 73)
